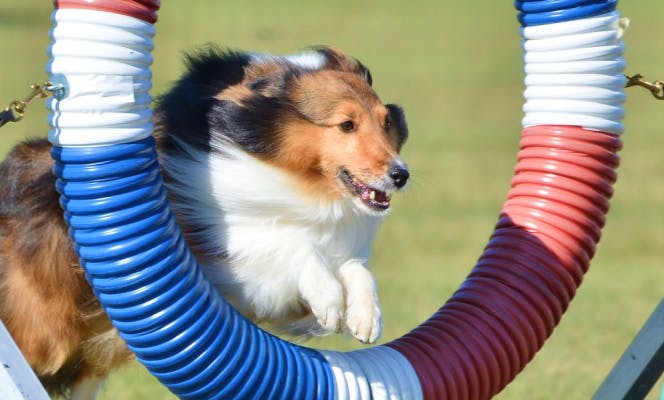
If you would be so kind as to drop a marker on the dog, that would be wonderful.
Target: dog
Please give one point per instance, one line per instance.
(279, 170)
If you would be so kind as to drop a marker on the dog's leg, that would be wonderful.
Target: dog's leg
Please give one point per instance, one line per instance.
(363, 316)
(321, 290)
(86, 389)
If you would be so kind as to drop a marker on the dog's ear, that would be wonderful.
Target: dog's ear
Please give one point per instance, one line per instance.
(249, 114)
(271, 85)
(365, 72)
(399, 125)
(337, 60)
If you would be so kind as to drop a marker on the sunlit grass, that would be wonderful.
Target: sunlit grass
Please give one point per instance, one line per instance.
(456, 69)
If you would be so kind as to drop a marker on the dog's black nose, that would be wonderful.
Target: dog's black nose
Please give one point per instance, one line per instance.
(399, 175)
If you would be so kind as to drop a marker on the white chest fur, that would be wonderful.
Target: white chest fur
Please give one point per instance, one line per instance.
(272, 251)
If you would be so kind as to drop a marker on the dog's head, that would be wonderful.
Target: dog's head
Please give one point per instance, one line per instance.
(314, 116)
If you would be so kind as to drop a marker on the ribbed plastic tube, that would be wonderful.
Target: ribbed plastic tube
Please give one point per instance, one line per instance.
(199, 347)
(523, 282)
(125, 233)
(152, 290)
(551, 222)
(574, 73)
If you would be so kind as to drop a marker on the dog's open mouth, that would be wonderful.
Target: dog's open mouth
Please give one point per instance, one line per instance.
(373, 198)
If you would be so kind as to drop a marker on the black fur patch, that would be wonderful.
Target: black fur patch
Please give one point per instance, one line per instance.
(254, 126)
(183, 111)
(398, 123)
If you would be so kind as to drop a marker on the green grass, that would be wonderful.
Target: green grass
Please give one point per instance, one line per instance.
(456, 69)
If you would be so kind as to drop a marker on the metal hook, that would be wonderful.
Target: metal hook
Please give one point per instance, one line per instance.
(656, 88)
(16, 109)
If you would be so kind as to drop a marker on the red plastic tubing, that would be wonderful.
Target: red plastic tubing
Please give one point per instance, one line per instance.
(516, 294)
(141, 9)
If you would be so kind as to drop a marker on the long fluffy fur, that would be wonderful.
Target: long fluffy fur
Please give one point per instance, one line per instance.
(254, 239)
(278, 199)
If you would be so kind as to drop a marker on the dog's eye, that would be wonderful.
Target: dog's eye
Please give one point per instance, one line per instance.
(347, 126)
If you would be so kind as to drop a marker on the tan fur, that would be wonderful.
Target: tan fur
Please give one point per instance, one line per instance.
(239, 92)
(45, 301)
(236, 93)
(314, 150)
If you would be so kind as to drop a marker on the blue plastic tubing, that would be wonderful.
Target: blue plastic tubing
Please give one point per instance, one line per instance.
(540, 12)
(151, 288)
(146, 278)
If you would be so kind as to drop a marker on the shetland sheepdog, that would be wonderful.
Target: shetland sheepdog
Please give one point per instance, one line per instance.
(279, 170)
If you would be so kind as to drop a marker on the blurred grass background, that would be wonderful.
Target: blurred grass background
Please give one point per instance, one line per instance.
(455, 67)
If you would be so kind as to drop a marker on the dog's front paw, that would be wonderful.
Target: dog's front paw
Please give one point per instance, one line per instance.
(327, 307)
(363, 318)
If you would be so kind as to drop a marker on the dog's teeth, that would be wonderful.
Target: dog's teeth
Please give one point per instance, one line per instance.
(372, 195)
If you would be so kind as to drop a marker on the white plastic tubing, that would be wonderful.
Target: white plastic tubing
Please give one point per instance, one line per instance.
(375, 373)
(574, 73)
(102, 61)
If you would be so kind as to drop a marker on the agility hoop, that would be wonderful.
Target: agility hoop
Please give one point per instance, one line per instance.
(199, 347)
